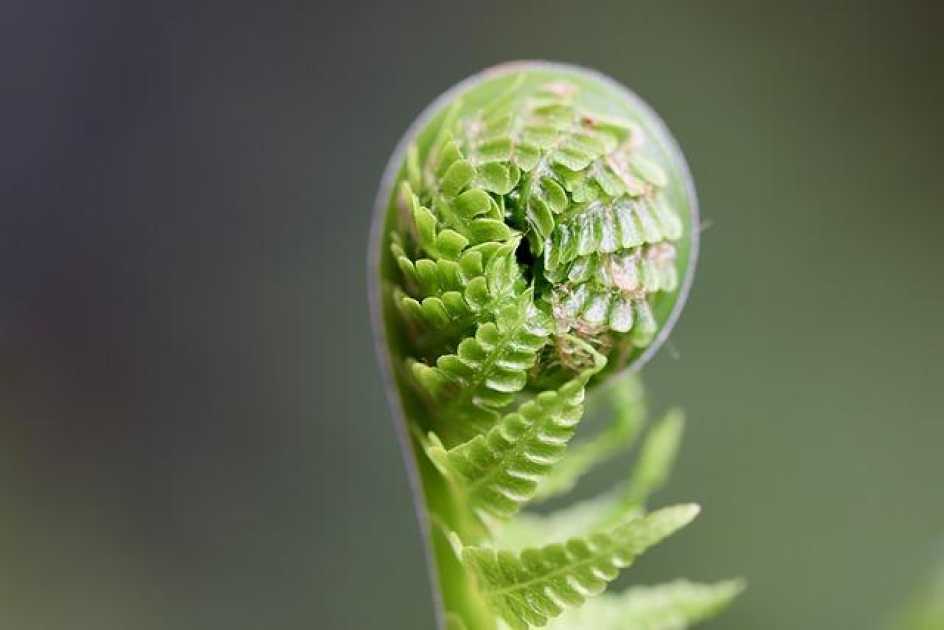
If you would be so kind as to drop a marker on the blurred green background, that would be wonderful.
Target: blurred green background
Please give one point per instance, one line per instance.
(192, 429)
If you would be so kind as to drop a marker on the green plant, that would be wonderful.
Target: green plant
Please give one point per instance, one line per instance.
(534, 241)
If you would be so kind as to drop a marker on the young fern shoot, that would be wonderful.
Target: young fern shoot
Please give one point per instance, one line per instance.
(534, 241)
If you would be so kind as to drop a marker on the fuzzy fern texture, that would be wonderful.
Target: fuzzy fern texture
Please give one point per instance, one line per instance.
(533, 245)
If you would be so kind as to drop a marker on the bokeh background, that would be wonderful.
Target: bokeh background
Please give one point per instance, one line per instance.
(192, 429)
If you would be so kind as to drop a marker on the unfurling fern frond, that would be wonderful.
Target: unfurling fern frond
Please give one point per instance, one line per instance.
(536, 237)
(528, 588)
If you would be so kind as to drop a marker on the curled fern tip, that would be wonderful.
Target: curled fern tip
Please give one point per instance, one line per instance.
(534, 239)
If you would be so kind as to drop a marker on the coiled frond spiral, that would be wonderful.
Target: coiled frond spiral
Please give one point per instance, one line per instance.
(537, 238)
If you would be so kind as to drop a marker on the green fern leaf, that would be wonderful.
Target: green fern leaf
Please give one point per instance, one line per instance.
(487, 370)
(540, 137)
(461, 199)
(673, 606)
(598, 284)
(635, 272)
(434, 152)
(499, 471)
(483, 275)
(603, 177)
(624, 501)
(609, 225)
(433, 239)
(529, 588)
(625, 398)
(452, 295)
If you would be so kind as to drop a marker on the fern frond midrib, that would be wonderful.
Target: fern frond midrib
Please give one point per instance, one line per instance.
(515, 452)
(521, 443)
(608, 550)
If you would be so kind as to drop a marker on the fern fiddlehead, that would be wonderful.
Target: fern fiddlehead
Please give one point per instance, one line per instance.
(534, 237)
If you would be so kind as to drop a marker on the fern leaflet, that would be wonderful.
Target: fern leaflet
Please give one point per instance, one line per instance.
(499, 471)
(625, 397)
(529, 588)
(623, 501)
(487, 370)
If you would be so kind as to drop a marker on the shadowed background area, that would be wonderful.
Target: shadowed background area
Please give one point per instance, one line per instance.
(192, 429)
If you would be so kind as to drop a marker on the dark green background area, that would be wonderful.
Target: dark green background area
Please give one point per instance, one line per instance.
(192, 429)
